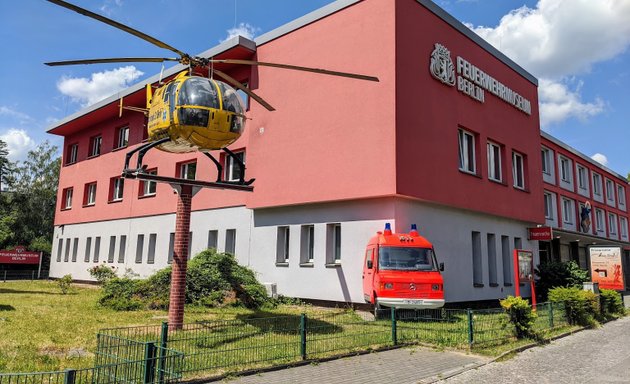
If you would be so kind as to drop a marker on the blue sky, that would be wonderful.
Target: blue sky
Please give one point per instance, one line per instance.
(577, 48)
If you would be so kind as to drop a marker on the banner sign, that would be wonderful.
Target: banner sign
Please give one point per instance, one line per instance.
(19, 255)
(606, 267)
(540, 233)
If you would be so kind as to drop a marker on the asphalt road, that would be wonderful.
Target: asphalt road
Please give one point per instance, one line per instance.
(592, 356)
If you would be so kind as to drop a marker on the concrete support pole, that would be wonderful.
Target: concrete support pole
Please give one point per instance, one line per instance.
(180, 258)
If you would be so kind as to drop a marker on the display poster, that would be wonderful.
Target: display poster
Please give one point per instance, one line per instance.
(525, 265)
(606, 267)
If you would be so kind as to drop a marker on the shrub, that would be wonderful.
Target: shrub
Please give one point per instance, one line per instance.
(102, 273)
(521, 315)
(558, 274)
(611, 304)
(121, 294)
(64, 283)
(581, 306)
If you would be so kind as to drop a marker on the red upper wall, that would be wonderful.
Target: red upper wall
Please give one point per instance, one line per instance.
(429, 114)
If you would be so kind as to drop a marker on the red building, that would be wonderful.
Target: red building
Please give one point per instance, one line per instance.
(448, 139)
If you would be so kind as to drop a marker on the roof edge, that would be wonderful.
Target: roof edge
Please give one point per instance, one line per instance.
(216, 50)
(574, 151)
(458, 25)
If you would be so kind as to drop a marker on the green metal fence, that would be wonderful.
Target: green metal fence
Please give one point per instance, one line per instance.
(157, 354)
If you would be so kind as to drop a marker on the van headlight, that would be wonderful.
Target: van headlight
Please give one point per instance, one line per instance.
(435, 287)
(387, 285)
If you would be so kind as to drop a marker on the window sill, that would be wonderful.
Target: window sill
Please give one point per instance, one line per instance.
(307, 265)
(500, 182)
(333, 265)
(67, 164)
(119, 148)
(93, 156)
(89, 205)
(493, 284)
(66, 209)
(469, 173)
(281, 264)
(115, 201)
(146, 196)
(525, 190)
(478, 285)
(507, 284)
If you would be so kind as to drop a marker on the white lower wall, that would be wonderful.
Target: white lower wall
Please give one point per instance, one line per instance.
(450, 231)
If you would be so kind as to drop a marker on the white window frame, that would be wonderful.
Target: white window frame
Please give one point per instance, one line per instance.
(623, 226)
(122, 139)
(90, 193)
(599, 220)
(307, 244)
(612, 223)
(283, 244)
(597, 184)
(495, 170)
(184, 168)
(582, 177)
(118, 189)
(546, 160)
(333, 243)
(610, 191)
(518, 167)
(548, 202)
(231, 166)
(565, 169)
(621, 196)
(95, 145)
(67, 198)
(467, 160)
(149, 188)
(568, 208)
(73, 151)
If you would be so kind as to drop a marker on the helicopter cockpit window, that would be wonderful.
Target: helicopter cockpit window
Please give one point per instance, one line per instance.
(199, 91)
(232, 103)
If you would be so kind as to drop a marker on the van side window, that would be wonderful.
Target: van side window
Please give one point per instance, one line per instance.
(369, 256)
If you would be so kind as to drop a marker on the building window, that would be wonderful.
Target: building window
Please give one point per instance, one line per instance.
(95, 146)
(75, 249)
(582, 178)
(117, 186)
(492, 259)
(476, 259)
(621, 196)
(147, 187)
(518, 170)
(90, 194)
(597, 184)
(612, 223)
(494, 162)
(213, 238)
(599, 220)
(66, 257)
(506, 255)
(59, 248)
(623, 227)
(548, 206)
(152, 242)
(71, 154)
(187, 170)
(67, 198)
(139, 249)
(230, 241)
(610, 191)
(467, 152)
(122, 137)
(97, 248)
(112, 249)
(518, 243)
(307, 239)
(282, 245)
(88, 249)
(171, 247)
(333, 243)
(567, 211)
(122, 248)
(565, 169)
(233, 171)
(546, 161)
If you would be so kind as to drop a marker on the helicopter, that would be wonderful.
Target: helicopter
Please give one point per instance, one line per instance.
(190, 112)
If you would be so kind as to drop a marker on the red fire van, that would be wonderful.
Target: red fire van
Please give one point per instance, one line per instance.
(400, 270)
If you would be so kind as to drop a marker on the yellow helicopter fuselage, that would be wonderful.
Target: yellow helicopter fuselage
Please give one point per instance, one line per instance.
(196, 113)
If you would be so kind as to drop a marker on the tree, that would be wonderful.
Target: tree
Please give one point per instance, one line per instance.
(5, 165)
(7, 217)
(33, 186)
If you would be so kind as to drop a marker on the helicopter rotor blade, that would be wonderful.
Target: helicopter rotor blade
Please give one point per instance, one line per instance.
(113, 60)
(240, 86)
(118, 25)
(298, 68)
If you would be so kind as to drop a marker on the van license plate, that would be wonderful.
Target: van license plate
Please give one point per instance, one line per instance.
(414, 302)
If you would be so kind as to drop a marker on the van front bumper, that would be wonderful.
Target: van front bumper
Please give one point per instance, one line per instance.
(409, 303)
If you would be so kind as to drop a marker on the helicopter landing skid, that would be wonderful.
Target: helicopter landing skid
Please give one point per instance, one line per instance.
(140, 171)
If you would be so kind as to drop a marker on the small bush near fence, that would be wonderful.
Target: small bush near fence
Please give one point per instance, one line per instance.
(582, 306)
(611, 304)
(521, 315)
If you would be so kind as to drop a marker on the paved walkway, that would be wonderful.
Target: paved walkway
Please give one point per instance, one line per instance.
(399, 366)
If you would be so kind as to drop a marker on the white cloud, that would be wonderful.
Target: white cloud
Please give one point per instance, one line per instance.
(244, 29)
(22, 118)
(602, 159)
(558, 39)
(18, 143)
(558, 103)
(109, 6)
(99, 86)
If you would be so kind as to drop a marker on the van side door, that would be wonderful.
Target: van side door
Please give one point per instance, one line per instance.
(368, 274)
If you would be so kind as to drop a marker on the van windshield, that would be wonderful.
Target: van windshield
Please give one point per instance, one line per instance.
(406, 259)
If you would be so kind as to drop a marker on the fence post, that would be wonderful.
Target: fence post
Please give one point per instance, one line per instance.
(149, 362)
(471, 337)
(394, 330)
(5, 276)
(551, 315)
(303, 336)
(163, 344)
(32, 275)
(69, 376)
